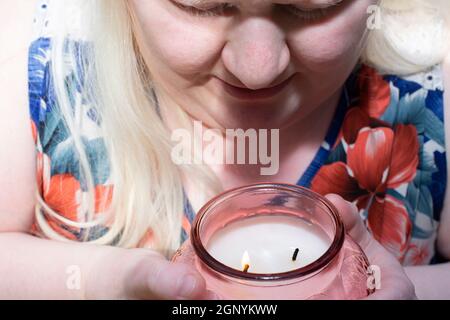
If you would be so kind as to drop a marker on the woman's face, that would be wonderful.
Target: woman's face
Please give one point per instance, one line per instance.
(250, 63)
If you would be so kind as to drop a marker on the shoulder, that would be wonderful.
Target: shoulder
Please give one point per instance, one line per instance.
(16, 31)
(16, 22)
(17, 159)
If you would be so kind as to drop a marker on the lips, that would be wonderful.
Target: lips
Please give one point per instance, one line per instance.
(249, 94)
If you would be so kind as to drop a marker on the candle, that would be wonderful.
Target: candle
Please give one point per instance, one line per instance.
(268, 244)
(274, 241)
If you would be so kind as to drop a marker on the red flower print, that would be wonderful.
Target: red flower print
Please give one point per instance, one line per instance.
(61, 230)
(34, 132)
(374, 99)
(376, 92)
(186, 224)
(62, 194)
(357, 119)
(103, 198)
(420, 253)
(40, 171)
(147, 241)
(378, 160)
(390, 224)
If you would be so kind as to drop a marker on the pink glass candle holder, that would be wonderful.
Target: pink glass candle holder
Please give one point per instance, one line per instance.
(275, 241)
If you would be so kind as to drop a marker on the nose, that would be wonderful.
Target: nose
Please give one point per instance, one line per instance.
(256, 53)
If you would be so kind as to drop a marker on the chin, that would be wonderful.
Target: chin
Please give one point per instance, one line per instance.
(274, 115)
(254, 119)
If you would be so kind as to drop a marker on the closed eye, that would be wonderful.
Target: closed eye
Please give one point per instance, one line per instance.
(311, 14)
(210, 9)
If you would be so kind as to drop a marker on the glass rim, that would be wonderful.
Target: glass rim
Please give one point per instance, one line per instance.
(309, 269)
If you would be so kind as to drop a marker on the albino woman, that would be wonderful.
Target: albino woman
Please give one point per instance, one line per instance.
(356, 89)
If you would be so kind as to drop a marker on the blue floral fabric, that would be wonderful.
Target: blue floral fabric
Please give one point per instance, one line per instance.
(390, 161)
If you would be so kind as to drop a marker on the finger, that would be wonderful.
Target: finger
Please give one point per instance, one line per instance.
(394, 287)
(157, 278)
(352, 220)
(394, 282)
(211, 296)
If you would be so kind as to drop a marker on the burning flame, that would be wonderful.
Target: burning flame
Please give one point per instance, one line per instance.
(245, 261)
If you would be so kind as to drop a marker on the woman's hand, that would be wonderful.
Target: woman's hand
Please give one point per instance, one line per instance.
(141, 274)
(395, 285)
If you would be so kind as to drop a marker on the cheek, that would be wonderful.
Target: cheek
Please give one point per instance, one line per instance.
(332, 44)
(179, 43)
(185, 52)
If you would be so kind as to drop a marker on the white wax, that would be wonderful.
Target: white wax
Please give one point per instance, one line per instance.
(270, 242)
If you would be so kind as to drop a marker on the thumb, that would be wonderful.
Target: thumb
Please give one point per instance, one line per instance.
(352, 221)
(157, 278)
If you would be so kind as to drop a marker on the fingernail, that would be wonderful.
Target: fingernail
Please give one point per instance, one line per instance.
(186, 286)
(331, 196)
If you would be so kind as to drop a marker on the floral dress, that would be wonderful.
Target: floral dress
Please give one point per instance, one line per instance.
(384, 151)
(390, 161)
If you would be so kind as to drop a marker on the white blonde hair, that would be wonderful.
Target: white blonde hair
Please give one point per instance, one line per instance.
(412, 36)
(148, 191)
(148, 188)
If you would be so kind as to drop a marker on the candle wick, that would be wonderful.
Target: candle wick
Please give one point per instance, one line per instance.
(246, 267)
(294, 257)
